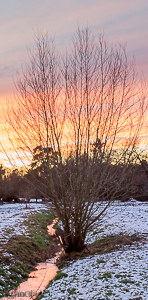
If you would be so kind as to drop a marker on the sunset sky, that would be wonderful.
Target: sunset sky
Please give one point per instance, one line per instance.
(123, 21)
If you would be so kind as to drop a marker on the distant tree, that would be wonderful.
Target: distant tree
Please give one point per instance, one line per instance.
(2, 174)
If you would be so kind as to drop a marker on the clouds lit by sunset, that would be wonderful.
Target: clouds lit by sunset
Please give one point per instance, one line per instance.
(20, 21)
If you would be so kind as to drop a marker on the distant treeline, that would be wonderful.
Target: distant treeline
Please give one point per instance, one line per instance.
(28, 184)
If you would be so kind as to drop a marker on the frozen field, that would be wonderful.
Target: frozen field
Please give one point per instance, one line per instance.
(122, 274)
(12, 217)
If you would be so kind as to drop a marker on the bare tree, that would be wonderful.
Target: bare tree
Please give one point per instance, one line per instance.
(84, 111)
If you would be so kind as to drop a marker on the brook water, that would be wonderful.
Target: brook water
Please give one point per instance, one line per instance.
(37, 280)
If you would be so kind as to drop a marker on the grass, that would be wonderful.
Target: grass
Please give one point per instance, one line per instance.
(26, 251)
(102, 245)
(60, 275)
(38, 246)
(126, 281)
(71, 291)
(112, 242)
(105, 276)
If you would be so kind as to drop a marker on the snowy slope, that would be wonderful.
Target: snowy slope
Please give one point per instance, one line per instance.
(122, 274)
(12, 217)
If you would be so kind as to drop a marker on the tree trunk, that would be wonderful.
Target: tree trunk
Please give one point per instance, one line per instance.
(70, 242)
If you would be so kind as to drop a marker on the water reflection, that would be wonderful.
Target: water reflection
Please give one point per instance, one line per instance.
(37, 280)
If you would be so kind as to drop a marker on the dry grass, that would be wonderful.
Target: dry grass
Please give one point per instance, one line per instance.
(102, 245)
(24, 252)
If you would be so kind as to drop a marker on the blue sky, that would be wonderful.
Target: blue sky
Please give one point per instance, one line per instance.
(123, 21)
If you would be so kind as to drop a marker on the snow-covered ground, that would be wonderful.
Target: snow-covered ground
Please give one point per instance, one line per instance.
(122, 217)
(12, 217)
(122, 274)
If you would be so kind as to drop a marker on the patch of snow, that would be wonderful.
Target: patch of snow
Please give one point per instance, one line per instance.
(121, 217)
(12, 216)
(35, 200)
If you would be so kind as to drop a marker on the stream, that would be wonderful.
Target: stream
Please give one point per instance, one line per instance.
(38, 279)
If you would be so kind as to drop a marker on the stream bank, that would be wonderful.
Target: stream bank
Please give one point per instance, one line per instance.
(21, 252)
(38, 279)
